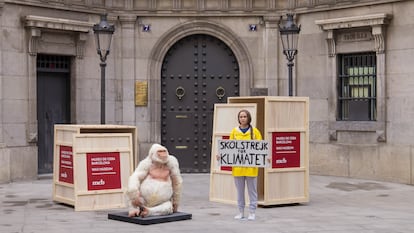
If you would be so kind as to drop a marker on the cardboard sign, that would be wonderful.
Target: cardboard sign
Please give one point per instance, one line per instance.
(103, 170)
(243, 153)
(66, 164)
(285, 149)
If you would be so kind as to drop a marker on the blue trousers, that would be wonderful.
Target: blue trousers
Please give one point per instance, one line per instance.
(251, 182)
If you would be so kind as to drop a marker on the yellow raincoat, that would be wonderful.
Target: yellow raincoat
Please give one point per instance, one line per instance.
(237, 134)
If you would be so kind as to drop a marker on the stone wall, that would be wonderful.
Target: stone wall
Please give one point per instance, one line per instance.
(381, 150)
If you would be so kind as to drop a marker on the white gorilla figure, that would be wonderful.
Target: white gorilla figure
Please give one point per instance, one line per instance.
(154, 188)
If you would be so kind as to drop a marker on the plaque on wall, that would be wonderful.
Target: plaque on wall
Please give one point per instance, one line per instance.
(259, 91)
(354, 35)
(141, 93)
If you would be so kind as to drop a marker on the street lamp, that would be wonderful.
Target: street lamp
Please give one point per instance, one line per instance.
(103, 36)
(289, 34)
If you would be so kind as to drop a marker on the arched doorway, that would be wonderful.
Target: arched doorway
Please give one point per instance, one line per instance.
(197, 72)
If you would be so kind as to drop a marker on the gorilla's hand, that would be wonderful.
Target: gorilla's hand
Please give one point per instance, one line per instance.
(137, 200)
(175, 207)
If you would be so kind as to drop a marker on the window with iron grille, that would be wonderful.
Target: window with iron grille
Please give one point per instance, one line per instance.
(357, 87)
(53, 63)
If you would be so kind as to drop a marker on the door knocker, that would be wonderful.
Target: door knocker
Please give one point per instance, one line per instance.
(220, 92)
(180, 92)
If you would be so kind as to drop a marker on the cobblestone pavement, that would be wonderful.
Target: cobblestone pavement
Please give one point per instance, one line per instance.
(337, 205)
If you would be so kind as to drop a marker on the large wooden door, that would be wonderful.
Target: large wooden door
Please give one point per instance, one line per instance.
(53, 104)
(197, 72)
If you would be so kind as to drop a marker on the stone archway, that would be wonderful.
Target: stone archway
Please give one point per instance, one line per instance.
(170, 38)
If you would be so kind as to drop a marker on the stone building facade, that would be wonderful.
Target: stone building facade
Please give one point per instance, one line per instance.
(354, 63)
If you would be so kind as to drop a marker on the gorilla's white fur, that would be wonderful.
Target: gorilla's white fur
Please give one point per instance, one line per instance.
(155, 186)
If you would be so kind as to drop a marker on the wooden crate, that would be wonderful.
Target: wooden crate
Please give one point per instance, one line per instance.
(222, 187)
(287, 120)
(92, 164)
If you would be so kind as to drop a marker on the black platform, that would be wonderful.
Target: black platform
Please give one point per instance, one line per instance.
(123, 216)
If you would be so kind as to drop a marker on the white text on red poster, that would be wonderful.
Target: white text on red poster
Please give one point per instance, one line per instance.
(65, 164)
(103, 170)
(285, 149)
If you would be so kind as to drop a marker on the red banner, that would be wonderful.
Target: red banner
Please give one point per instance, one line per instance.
(285, 149)
(65, 164)
(226, 168)
(103, 170)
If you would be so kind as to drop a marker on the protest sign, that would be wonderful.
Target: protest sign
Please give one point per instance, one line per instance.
(243, 153)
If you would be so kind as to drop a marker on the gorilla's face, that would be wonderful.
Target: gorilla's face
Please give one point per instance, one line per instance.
(160, 156)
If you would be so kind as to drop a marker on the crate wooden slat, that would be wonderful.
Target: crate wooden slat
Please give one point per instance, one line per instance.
(64, 134)
(71, 173)
(276, 116)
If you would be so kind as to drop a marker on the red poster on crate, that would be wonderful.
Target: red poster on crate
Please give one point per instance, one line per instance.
(103, 170)
(226, 168)
(285, 149)
(65, 164)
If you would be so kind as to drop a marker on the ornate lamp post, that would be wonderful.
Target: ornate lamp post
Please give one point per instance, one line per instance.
(103, 37)
(289, 33)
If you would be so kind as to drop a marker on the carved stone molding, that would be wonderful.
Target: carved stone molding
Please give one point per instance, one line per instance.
(33, 41)
(271, 21)
(128, 21)
(333, 135)
(37, 24)
(375, 21)
(41, 22)
(193, 7)
(177, 4)
(331, 43)
(129, 4)
(127, 18)
(355, 21)
(381, 137)
(80, 45)
(378, 33)
(224, 4)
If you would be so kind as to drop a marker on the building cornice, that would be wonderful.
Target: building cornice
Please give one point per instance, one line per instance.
(33, 21)
(375, 21)
(38, 24)
(355, 21)
(199, 8)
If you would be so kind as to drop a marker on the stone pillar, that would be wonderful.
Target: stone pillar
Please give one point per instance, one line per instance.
(378, 32)
(1, 93)
(34, 37)
(77, 74)
(126, 70)
(4, 152)
(271, 48)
